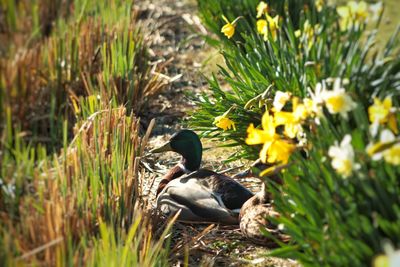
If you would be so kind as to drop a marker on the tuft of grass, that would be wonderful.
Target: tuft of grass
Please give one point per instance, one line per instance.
(137, 247)
(96, 177)
(95, 49)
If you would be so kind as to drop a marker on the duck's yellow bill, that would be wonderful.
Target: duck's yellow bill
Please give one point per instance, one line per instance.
(163, 148)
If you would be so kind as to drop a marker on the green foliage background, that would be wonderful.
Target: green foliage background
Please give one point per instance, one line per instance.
(332, 221)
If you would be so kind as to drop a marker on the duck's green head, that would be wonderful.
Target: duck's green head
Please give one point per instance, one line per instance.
(187, 143)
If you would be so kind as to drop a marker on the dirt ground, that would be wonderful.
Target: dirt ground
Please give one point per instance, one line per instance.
(174, 31)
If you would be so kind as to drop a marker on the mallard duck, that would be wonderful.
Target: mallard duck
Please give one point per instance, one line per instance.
(201, 195)
(253, 217)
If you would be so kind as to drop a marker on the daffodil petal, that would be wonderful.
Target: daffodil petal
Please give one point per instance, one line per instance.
(268, 125)
(264, 151)
(256, 136)
(280, 151)
(282, 118)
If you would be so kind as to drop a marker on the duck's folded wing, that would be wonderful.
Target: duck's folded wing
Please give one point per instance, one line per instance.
(230, 192)
(196, 203)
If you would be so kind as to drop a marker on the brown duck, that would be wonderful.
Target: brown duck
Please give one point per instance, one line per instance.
(254, 217)
(201, 195)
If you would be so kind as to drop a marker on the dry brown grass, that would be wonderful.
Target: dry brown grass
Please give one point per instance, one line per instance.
(40, 82)
(63, 206)
(72, 73)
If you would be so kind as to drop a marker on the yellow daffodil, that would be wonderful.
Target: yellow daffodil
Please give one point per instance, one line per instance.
(268, 26)
(224, 122)
(229, 28)
(292, 120)
(353, 12)
(278, 151)
(338, 101)
(292, 127)
(343, 157)
(262, 8)
(382, 112)
(388, 148)
(257, 136)
(273, 25)
(262, 26)
(274, 148)
(300, 111)
(280, 100)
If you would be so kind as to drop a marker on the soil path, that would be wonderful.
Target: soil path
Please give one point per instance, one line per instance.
(174, 31)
